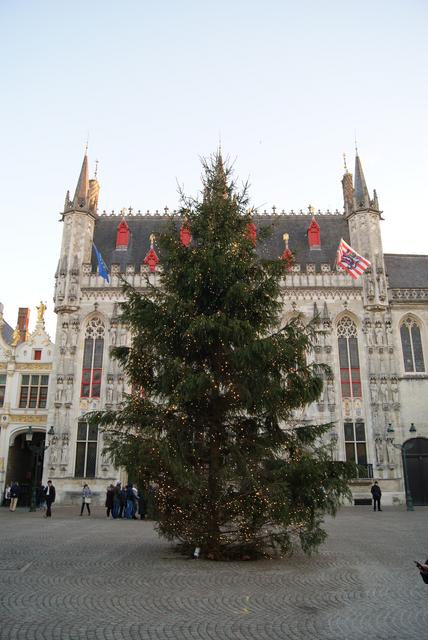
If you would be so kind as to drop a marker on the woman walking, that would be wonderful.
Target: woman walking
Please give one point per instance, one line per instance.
(86, 499)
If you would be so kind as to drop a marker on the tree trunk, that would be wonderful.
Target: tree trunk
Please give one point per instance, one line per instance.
(213, 528)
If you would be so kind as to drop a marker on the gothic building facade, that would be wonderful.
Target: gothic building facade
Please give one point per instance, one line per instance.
(374, 335)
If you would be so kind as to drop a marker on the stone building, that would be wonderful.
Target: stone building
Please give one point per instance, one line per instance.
(25, 370)
(374, 334)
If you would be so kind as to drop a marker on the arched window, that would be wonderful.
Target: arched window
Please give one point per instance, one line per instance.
(412, 346)
(350, 378)
(93, 359)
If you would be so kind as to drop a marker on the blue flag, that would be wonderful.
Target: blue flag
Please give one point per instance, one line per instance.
(102, 268)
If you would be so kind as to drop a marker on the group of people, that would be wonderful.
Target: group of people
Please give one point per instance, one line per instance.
(125, 502)
(45, 496)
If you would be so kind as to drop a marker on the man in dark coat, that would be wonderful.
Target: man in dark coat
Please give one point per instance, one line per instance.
(49, 497)
(376, 493)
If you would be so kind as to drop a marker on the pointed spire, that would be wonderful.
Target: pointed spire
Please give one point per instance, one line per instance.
(80, 200)
(348, 189)
(361, 193)
(375, 201)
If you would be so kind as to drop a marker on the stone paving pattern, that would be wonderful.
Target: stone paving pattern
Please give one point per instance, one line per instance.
(75, 578)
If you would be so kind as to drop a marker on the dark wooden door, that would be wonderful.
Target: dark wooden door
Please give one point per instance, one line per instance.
(416, 452)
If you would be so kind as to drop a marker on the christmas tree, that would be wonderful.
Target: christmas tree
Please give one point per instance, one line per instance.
(217, 382)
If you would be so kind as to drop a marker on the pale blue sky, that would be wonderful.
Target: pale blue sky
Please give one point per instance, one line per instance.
(154, 83)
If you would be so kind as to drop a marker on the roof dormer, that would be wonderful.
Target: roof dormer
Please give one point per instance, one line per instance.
(314, 235)
(122, 236)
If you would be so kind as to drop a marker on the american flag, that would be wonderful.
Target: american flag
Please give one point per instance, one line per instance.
(351, 261)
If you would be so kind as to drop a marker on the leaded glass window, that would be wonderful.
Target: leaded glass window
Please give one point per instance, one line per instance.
(92, 359)
(411, 344)
(349, 362)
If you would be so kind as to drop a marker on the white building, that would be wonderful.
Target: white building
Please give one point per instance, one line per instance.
(375, 335)
(25, 372)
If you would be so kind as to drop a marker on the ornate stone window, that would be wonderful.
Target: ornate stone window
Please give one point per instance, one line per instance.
(93, 359)
(350, 378)
(86, 450)
(411, 344)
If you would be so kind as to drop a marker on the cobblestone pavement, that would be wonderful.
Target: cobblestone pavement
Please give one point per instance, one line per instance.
(73, 578)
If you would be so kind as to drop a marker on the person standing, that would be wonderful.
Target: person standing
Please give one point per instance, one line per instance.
(377, 494)
(50, 498)
(14, 495)
(7, 496)
(86, 499)
(109, 499)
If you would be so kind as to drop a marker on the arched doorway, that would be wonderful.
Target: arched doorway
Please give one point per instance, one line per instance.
(22, 466)
(416, 452)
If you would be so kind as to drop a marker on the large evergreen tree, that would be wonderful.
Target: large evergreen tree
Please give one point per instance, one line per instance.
(217, 382)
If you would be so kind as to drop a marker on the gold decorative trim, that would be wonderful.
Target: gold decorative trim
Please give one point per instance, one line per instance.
(3, 366)
(28, 419)
(34, 366)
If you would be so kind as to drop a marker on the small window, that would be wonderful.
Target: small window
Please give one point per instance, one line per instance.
(37, 354)
(2, 388)
(34, 392)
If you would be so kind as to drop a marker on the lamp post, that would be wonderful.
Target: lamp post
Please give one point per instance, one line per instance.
(36, 452)
(402, 448)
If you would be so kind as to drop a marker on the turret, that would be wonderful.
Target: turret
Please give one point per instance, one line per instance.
(79, 216)
(364, 217)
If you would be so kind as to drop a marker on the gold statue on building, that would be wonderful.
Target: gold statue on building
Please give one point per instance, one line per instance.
(40, 311)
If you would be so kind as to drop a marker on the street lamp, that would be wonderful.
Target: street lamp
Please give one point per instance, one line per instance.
(402, 448)
(36, 450)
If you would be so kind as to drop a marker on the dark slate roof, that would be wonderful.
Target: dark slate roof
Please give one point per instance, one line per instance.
(7, 333)
(406, 270)
(333, 227)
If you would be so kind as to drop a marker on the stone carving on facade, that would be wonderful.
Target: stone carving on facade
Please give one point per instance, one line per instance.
(113, 335)
(59, 389)
(65, 442)
(391, 453)
(395, 392)
(64, 337)
(331, 392)
(381, 287)
(384, 393)
(110, 390)
(374, 391)
(379, 449)
(370, 288)
(379, 333)
(69, 391)
(53, 454)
